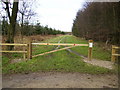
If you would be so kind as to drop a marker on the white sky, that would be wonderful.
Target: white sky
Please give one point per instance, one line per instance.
(58, 14)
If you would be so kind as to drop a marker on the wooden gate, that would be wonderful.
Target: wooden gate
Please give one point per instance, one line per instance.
(29, 48)
(66, 44)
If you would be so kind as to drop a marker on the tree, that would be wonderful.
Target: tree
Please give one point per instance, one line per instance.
(12, 20)
(26, 13)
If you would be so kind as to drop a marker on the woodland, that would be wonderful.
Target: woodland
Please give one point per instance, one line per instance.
(99, 21)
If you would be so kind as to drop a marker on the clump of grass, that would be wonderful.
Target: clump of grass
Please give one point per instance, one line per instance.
(6, 60)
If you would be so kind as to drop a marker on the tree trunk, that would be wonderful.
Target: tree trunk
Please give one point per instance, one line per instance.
(11, 28)
(10, 37)
(21, 30)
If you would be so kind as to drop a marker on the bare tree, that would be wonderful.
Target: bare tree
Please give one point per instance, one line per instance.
(26, 12)
(12, 15)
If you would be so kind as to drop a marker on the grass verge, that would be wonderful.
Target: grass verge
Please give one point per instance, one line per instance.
(59, 61)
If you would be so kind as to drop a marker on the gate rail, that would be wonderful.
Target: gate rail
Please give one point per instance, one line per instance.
(62, 44)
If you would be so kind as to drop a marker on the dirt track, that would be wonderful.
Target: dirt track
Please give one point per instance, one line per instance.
(59, 80)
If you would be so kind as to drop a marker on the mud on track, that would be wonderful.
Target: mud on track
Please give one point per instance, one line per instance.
(59, 80)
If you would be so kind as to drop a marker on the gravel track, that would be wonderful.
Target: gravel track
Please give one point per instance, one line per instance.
(59, 80)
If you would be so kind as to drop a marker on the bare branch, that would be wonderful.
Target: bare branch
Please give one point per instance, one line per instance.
(7, 8)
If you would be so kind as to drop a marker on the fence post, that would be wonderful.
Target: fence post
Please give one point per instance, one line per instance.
(29, 49)
(90, 50)
(24, 48)
(113, 52)
(24, 56)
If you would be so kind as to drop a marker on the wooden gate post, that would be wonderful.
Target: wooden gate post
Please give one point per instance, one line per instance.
(29, 49)
(90, 50)
(24, 48)
(24, 55)
(113, 52)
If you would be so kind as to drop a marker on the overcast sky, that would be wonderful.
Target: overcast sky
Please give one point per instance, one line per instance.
(58, 14)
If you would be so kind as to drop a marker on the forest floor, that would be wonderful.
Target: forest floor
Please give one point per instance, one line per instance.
(71, 70)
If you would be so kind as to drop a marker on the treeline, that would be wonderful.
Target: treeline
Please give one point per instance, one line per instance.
(99, 21)
(27, 29)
